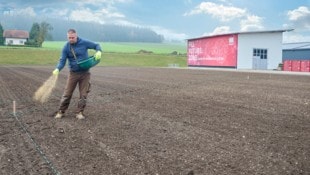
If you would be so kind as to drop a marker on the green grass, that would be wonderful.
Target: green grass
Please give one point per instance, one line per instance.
(27, 56)
(143, 60)
(124, 47)
(115, 54)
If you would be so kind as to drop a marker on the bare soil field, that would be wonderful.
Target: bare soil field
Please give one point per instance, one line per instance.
(157, 121)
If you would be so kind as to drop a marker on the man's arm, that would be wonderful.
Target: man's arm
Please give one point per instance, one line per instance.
(62, 61)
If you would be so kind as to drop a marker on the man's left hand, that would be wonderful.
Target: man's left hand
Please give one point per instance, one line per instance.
(97, 55)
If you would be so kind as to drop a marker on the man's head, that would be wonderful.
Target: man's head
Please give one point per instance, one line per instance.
(72, 36)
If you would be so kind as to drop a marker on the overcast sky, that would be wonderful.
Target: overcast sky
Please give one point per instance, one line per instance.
(178, 19)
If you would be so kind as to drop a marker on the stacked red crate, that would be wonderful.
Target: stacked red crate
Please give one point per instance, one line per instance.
(305, 66)
(287, 65)
(296, 65)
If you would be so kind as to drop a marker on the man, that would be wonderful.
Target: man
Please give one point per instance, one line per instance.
(76, 49)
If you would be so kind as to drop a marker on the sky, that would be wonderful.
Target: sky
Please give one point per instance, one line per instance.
(178, 19)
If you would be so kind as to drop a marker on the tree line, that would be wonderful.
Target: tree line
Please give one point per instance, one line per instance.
(104, 32)
(57, 30)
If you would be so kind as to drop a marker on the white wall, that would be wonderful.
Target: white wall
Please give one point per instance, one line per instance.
(15, 41)
(270, 41)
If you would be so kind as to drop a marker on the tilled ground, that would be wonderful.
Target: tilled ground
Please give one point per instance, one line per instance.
(158, 121)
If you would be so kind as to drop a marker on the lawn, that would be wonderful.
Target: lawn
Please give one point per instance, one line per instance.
(129, 47)
(115, 54)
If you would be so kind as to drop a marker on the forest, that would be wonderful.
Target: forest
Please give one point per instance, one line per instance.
(92, 31)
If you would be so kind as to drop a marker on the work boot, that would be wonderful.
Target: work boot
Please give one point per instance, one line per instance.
(59, 114)
(80, 116)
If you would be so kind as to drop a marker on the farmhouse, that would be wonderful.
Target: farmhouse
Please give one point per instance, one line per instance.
(15, 37)
(260, 50)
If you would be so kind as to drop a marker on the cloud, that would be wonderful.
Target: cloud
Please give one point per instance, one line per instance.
(78, 10)
(124, 22)
(300, 17)
(86, 15)
(55, 13)
(292, 37)
(219, 30)
(28, 11)
(168, 34)
(108, 14)
(300, 13)
(98, 16)
(224, 13)
(100, 2)
(227, 13)
(252, 22)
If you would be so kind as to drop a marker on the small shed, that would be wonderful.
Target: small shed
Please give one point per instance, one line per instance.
(241, 50)
(15, 37)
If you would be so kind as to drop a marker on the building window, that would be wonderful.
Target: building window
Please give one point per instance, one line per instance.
(262, 53)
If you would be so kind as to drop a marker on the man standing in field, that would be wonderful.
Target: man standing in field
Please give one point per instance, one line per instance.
(76, 49)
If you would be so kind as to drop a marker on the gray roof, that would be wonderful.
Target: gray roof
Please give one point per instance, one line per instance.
(246, 32)
(296, 46)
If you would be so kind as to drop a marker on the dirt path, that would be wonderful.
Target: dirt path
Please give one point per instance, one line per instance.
(158, 121)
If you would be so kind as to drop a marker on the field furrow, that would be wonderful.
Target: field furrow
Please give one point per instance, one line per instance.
(158, 121)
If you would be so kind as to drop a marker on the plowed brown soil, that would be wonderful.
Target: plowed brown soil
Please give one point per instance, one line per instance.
(157, 121)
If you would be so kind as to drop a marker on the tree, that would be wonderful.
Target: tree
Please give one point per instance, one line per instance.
(38, 33)
(34, 32)
(1, 35)
(44, 31)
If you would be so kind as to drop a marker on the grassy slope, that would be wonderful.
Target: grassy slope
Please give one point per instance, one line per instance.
(115, 54)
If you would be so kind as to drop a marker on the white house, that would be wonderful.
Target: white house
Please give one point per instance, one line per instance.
(15, 37)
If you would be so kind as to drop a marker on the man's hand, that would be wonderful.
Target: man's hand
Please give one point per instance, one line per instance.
(56, 72)
(97, 55)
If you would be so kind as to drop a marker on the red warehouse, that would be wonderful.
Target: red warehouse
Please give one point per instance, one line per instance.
(243, 50)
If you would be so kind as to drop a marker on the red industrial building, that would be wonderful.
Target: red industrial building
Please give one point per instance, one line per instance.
(242, 50)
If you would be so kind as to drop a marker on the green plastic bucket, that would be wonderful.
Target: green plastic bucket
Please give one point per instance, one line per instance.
(88, 63)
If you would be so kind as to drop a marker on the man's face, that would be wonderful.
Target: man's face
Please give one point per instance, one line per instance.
(72, 38)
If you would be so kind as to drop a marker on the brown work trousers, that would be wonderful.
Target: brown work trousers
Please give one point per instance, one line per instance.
(76, 78)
